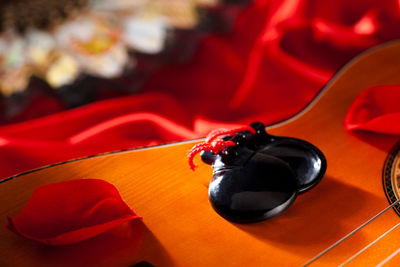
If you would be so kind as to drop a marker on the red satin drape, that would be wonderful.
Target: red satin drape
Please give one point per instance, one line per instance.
(377, 110)
(71, 211)
(279, 55)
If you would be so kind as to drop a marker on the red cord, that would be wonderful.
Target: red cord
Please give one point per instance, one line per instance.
(220, 132)
(215, 145)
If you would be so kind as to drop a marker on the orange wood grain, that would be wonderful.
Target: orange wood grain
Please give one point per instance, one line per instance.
(181, 229)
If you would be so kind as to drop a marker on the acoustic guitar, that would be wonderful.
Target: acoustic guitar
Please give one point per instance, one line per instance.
(346, 219)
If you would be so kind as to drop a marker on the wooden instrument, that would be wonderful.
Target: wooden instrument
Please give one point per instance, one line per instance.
(180, 228)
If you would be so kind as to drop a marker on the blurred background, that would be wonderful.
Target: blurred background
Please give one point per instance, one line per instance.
(81, 77)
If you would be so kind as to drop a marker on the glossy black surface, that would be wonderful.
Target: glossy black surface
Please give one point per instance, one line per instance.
(305, 159)
(308, 163)
(260, 188)
(261, 176)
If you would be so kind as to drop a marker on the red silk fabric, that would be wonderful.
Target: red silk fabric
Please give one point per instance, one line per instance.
(377, 110)
(72, 211)
(278, 56)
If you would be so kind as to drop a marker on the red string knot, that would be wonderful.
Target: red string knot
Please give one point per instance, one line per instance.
(215, 143)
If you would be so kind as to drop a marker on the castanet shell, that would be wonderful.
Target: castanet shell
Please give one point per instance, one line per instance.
(307, 161)
(260, 189)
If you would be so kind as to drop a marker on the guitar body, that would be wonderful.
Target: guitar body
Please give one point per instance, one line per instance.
(180, 228)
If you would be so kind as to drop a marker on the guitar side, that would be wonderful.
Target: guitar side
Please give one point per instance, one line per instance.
(180, 227)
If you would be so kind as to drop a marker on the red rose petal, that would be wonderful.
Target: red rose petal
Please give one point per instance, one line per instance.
(71, 211)
(376, 109)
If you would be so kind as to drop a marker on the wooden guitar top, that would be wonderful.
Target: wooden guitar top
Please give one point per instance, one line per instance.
(180, 228)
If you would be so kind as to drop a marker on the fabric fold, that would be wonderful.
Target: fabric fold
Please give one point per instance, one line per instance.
(376, 109)
(277, 57)
(71, 211)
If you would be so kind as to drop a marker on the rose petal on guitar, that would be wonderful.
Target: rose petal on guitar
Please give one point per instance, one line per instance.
(376, 109)
(71, 211)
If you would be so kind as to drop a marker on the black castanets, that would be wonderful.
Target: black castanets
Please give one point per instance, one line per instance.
(256, 175)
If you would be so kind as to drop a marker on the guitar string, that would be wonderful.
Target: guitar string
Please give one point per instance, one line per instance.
(369, 245)
(388, 258)
(350, 234)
